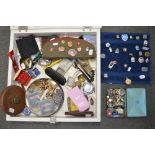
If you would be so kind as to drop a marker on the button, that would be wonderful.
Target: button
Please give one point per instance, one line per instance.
(72, 52)
(107, 44)
(70, 44)
(137, 47)
(125, 65)
(117, 36)
(125, 49)
(81, 78)
(141, 60)
(122, 92)
(117, 50)
(61, 49)
(137, 37)
(26, 111)
(128, 81)
(124, 37)
(131, 37)
(103, 56)
(109, 113)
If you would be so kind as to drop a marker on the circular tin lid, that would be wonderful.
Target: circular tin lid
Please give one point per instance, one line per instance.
(12, 100)
(44, 97)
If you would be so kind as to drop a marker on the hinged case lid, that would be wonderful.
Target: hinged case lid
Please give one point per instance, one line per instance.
(52, 27)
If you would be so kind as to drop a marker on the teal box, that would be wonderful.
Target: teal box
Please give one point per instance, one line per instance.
(136, 102)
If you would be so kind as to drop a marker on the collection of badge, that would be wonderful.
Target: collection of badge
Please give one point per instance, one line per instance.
(125, 58)
(68, 47)
(69, 76)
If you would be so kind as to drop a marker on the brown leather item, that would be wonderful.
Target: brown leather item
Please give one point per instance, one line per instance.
(12, 100)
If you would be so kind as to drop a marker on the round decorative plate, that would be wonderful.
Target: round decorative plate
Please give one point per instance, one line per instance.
(44, 97)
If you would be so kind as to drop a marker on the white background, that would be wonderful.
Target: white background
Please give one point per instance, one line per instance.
(77, 13)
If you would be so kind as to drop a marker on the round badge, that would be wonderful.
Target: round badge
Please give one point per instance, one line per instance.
(109, 113)
(128, 81)
(125, 49)
(61, 49)
(141, 60)
(122, 92)
(26, 111)
(125, 65)
(107, 44)
(124, 37)
(70, 44)
(117, 36)
(72, 52)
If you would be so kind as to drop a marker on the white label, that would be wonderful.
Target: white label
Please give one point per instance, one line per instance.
(91, 52)
(11, 110)
(55, 44)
